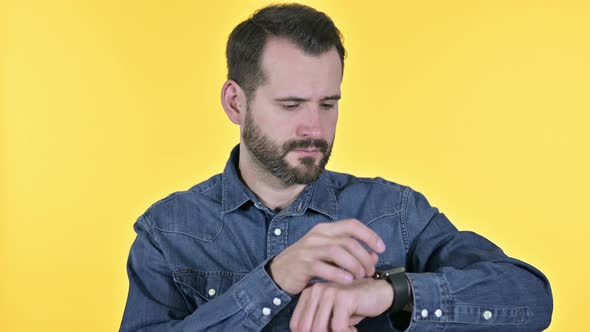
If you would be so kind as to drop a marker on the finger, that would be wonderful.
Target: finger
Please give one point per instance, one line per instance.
(323, 314)
(340, 316)
(311, 307)
(358, 230)
(342, 258)
(375, 257)
(348, 329)
(330, 272)
(366, 259)
(295, 322)
(355, 319)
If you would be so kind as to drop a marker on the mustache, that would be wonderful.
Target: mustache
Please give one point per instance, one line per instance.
(319, 144)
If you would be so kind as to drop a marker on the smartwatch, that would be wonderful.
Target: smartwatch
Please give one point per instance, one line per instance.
(401, 290)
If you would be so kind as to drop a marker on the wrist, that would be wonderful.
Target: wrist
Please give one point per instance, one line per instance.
(397, 280)
(273, 277)
(386, 294)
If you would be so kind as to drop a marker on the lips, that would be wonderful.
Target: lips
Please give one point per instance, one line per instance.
(306, 151)
(307, 146)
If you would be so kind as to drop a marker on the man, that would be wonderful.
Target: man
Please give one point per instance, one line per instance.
(276, 242)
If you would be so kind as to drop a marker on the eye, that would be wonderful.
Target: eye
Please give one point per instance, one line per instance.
(327, 106)
(290, 107)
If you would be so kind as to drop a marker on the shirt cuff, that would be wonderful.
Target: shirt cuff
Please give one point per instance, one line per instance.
(259, 296)
(431, 301)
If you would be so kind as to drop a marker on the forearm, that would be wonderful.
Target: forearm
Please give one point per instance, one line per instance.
(466, 282)
(246, 306)
(489, 297)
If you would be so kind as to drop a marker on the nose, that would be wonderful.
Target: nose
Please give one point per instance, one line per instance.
(310, 125)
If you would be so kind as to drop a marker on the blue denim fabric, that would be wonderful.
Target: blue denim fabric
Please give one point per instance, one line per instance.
(197, 263)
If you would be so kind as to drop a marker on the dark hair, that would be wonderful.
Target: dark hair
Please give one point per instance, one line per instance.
(311, 30)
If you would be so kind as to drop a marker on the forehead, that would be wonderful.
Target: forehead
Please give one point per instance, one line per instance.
(289, 70)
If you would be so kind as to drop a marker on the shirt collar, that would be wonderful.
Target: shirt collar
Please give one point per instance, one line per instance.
(323, 198)
(234, 192)
(318, 196)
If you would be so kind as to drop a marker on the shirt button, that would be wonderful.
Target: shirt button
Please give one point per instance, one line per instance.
(438, 313)
(266, 311)
(299, 206)
(487, 314)
(277, 231)
(424, 313)
(276, 301)
(212, 292)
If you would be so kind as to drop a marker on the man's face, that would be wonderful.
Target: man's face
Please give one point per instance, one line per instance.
(290, 122)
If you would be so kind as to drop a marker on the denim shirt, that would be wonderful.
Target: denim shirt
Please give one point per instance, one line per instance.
(198, 261)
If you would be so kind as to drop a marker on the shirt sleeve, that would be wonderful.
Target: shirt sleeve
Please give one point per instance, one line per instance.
(463, 282)
(154, 302)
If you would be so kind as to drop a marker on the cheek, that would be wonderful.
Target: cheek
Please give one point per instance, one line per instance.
(280, 132)
(273, 124)
(329, 124)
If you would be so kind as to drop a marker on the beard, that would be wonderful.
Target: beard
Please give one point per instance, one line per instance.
(273, 156)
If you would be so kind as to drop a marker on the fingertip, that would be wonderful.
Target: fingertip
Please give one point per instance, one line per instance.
(375, 257)
(348, 278)
(380, 246)
(361, 273)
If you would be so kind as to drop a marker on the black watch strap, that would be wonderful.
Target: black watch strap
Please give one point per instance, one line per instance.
(401, 291)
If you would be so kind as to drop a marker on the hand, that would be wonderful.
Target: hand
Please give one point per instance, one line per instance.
(327, 306)
(329, 251)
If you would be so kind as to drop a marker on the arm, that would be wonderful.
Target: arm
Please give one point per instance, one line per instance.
(464, 281)
(155, 304)
(328, 306)
(459, 282)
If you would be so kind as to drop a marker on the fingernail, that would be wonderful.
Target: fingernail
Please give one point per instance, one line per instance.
(348, 277)
(381, 245)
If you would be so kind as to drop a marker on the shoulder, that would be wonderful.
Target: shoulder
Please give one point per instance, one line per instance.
(367, 199)
(182, 207)
(343, 182)
(378, 193)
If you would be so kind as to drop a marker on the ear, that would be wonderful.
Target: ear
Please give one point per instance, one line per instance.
(233, 100)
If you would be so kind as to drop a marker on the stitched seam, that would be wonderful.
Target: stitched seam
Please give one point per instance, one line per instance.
(190, 235)
(158, 246)
(523, 310)
(403, 218)
(186, 303)
(146, 224)
(333, 197)
(165, 199)
(191, 287)
(223, 194)
(387, 184)
(485, 306)
(187, 270)
(383, 216)
(198, 190)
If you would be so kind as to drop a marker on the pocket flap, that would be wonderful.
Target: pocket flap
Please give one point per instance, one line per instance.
(207, 285)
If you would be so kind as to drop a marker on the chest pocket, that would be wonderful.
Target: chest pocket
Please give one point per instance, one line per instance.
(199, 287)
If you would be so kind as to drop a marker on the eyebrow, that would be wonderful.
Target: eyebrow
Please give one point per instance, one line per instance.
(300, 100)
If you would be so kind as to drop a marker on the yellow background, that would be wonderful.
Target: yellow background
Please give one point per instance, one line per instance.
(108, 106)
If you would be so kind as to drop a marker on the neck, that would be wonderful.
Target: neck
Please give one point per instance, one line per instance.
(273, 192)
